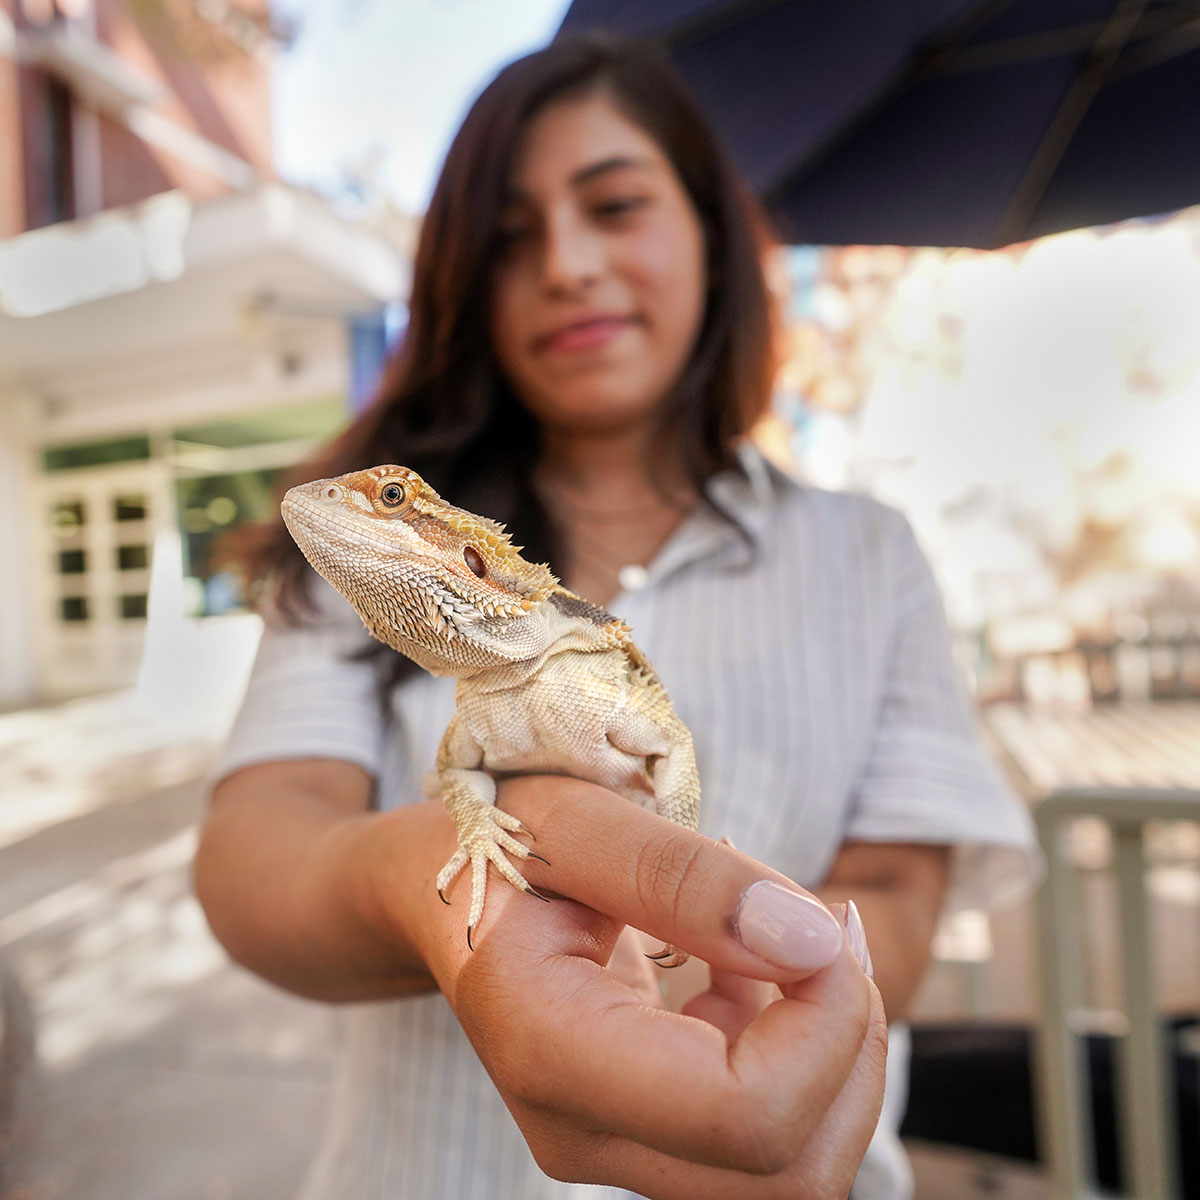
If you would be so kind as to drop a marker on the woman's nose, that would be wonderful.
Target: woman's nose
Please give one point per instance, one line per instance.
(572, 256)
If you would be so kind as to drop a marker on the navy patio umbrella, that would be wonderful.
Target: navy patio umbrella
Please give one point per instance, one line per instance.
(940, 122)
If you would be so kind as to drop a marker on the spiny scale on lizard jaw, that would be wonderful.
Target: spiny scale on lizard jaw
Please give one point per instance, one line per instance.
(449, 590)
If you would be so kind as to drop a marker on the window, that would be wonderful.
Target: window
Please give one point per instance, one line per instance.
(129, 508)
(72, 562)
(133, 558)
(49, 150)
(96, 454)
(133, 608)
(210, 506)
(68, 517)
(73, 608)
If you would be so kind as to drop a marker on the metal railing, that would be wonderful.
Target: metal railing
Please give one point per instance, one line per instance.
(1144, 1120)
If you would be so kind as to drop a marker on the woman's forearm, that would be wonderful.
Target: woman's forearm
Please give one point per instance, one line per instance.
(900, 950)
(899, 891)
(288, 872)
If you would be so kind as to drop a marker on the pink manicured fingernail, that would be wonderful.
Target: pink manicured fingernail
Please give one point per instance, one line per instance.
(856, 935)
(787, 929)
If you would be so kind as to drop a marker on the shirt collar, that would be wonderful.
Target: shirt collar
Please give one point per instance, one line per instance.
(749, 492)
(755, 483)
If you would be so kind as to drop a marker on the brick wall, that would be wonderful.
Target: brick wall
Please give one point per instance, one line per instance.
(210, 86)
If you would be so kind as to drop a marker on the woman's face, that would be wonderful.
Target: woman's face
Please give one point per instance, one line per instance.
(600, 280)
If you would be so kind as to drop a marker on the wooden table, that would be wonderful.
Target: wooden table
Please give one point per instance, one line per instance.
(1145, 744)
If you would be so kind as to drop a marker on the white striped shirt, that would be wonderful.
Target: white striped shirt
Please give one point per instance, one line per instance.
(814, 672)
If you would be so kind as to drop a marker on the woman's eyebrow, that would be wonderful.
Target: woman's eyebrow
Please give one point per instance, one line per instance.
(615, 163)
(514, 195)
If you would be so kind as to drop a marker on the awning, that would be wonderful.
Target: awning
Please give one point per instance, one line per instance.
(173, 276)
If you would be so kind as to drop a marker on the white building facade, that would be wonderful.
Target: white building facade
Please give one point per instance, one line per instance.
(176, 326)
(158, 364)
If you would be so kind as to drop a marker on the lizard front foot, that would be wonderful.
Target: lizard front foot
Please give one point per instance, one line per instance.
(485, 835)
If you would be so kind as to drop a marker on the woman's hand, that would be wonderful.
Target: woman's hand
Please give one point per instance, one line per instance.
(744, 1095)
(731, 1098)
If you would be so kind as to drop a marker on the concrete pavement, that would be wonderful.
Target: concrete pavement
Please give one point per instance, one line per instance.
(139, 1064)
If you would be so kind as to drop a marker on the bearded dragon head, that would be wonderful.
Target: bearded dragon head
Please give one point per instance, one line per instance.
(441, 585)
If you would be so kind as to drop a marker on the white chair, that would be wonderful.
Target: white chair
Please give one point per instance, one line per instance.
(1145, 1121)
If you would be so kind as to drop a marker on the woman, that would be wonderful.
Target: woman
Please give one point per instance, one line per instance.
(590, 340)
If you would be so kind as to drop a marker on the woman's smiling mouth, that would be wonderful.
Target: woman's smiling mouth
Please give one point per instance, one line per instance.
(586, 334)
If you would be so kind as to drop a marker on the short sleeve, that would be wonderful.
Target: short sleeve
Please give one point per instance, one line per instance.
(307, 696)
(927, 777)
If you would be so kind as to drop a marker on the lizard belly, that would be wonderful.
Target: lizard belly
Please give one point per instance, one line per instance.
(558, 722)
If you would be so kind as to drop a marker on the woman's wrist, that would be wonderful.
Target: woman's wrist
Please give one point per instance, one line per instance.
(308, 890)
(372, 870)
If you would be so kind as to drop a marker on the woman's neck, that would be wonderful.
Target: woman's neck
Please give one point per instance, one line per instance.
(615, 504)
(611, 472)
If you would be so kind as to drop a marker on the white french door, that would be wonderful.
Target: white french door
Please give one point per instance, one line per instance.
(96, 529)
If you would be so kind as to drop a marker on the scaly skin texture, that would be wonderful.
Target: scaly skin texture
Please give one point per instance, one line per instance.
(546, 681)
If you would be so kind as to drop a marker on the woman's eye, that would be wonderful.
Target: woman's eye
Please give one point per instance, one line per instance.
(619, 206)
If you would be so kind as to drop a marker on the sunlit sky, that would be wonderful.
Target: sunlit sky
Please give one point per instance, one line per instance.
(380, 85)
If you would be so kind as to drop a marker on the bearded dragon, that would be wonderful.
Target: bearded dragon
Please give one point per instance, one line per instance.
(547, 682)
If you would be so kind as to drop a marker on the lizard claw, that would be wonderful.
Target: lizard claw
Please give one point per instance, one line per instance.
(668, 958)
(486, 835)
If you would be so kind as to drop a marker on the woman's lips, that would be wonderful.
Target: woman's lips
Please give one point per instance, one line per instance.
(584, 335)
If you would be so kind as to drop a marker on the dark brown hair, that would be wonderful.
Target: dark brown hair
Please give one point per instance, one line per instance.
(443, 407)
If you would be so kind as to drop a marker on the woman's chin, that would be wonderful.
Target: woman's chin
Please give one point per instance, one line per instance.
(596, 411)
(598, 422)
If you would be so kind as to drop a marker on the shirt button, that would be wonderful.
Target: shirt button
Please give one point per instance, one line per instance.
(633, 577)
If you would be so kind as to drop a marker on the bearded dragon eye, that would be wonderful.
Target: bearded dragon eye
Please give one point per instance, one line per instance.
(474, 560)
(392, 495)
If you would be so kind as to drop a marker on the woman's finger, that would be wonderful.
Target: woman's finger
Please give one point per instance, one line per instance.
(731, 1001)
(560, 1033)
(850, 1121)
(823, 1165)
(691, 892)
